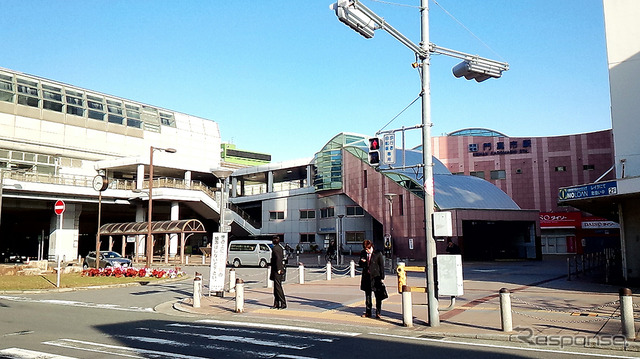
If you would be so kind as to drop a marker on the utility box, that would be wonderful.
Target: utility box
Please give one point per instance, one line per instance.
(442, 225)
(449, 274)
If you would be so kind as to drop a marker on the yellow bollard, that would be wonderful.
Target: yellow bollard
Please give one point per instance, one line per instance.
(402, 276)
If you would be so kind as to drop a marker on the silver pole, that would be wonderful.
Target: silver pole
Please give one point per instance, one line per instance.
(434, 318)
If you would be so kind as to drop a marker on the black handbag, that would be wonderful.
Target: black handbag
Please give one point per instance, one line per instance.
(381, 291)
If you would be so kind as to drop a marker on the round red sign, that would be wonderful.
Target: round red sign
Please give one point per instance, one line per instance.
(58, 208)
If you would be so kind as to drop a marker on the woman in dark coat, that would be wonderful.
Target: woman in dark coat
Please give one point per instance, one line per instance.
(372, 264)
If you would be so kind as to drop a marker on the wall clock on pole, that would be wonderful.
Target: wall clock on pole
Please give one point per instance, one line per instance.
(100, 183)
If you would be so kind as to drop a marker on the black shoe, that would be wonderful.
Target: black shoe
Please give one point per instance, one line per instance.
(274, 307)
(283, 307)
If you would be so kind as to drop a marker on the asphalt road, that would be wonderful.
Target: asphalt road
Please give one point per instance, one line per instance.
(123, 322)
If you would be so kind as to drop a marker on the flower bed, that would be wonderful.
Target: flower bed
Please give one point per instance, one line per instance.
(133, 272)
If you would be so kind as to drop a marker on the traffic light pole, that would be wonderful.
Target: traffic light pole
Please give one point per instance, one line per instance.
(357, 16)
(427, 158)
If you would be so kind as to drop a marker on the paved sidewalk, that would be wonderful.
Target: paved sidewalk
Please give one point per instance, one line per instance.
(546, 308)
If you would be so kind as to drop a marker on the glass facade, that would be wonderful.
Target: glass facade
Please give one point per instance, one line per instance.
(329, 161)
(33, 92)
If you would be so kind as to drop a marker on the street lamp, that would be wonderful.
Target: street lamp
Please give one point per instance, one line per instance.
(364, 21)
(339, 241)
(389, 197)
(149, 244)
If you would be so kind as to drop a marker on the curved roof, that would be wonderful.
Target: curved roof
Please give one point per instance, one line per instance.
(482, 132)
(451, 191)
(157, 227)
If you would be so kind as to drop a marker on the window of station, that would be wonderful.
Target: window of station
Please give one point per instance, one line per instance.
(95, 104)
(355, 211)
(276, 215)
(75, 102)
(354, 237)
(133, 116)
(6, 88)
(307, 213)
(52, 98)
(307, 238)
(327, 212)
(28, 93)
(167, 119)
(116, 113)
(149, 114)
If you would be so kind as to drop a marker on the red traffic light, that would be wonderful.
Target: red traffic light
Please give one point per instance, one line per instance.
(374, 144)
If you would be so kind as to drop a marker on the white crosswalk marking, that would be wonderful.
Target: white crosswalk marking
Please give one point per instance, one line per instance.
(17, 353)
(116, 349)
(175, 340)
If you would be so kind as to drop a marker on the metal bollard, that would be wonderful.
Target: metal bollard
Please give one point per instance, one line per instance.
(301, 273)
(352, 269)
(402, 276)
(407, 309)
(269, 281)
(232, 280)
(328, 270)
(203, 258)
(318, 259)
(505, 310)
(197, 291)
(626, 313)
(239, 295)
(568, 269)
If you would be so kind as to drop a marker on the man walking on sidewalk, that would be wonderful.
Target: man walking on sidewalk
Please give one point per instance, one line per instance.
(278, 272)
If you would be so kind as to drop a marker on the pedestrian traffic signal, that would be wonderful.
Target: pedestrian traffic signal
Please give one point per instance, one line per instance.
(374, 151)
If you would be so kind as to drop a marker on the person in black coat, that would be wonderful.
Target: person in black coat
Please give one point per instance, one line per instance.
(278, 272)
(372, 264)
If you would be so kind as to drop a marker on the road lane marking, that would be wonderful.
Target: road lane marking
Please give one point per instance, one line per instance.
(17, 353)
(72, 303)
(278, 327)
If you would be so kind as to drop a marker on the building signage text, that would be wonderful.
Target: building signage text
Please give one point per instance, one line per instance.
(487, 148)
(588, 191)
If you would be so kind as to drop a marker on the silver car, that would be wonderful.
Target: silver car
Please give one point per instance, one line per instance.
(107, 259)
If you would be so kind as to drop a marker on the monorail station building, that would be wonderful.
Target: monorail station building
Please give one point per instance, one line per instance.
(56, 138)
(88, 155)
(349, 200)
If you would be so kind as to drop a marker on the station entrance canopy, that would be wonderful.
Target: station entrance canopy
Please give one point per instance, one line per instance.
(184, 227)
(157, 227)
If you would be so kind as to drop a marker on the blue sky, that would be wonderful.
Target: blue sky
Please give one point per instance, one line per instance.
(283, 77)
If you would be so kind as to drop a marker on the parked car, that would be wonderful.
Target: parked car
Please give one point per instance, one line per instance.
(107, 259)
(12, 257)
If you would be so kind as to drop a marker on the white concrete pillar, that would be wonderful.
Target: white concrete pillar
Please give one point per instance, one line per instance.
(234, 187)
(187, 179)
(139, 176)
(140, 240)
(173, 241)
(309, 176)
(269, 181)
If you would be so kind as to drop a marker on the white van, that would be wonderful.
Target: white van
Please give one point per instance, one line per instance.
(250, 252)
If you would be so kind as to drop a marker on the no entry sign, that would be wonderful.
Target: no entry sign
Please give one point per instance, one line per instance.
(58, 208)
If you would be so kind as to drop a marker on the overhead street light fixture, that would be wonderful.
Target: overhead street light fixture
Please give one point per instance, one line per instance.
(360, 22)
